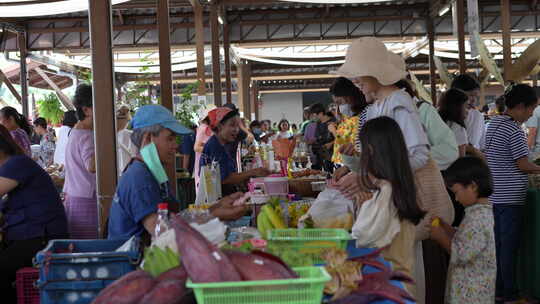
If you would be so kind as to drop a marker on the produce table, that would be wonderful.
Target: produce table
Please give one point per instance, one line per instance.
(529, 256)
(356, 252)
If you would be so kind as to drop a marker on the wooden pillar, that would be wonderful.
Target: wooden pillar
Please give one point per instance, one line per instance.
(506, 8)
(226, 54)
(432, 67)
(460, 8)
(199, 39)
(165, 72)
(243, 71)
(254, 100)
(24, 73)
(99, 14)
(216, 70)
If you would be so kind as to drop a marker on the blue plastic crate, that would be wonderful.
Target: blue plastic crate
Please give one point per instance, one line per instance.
(75, 292)
(77, 277)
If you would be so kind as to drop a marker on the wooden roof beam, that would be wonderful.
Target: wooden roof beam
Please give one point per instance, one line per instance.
(63, 98)
(5, 79)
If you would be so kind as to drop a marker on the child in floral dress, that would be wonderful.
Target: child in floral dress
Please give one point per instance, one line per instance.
(473, 269)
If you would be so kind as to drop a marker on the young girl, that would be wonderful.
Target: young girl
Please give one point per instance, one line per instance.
(473, 263)
(389, 217)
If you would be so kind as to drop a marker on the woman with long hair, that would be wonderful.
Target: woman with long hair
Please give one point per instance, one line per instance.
(389, 217)
(18, 127)
(453, 110)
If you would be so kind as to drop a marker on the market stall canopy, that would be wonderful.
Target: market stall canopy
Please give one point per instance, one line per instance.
(25, 8)
(35, 80)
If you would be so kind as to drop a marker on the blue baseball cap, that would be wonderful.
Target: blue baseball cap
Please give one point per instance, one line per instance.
(151, 115)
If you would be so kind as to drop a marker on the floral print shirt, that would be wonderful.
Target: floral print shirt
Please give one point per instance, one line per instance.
(45, 157)
(473, 263)
(345, 134)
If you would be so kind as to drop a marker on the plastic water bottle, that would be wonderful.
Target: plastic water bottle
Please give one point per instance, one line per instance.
(162, 223)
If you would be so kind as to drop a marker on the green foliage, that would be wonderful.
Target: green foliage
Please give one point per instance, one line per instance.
(50, 108)
(187, 112)
(86, 76)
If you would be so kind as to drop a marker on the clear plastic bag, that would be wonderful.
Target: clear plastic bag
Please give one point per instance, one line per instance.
(332, 210)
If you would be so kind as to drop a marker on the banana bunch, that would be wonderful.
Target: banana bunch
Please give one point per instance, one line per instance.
(269, 219)
(296, 211)
(157, 260)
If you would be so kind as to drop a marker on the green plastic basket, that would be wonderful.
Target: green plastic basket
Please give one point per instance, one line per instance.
(312, 242)
(308, 289)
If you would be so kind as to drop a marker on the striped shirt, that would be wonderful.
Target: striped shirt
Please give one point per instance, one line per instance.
(505, 143)
(361, 122)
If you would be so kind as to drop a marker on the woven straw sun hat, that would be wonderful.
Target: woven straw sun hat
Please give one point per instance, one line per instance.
(368, 56)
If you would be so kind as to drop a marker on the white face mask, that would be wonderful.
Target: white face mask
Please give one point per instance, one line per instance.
(346, 110)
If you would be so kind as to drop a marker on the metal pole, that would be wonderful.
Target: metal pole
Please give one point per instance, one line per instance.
(506, 37)
(461, 35)
(216, 71)
(226, 54)
(99, 15)
(432, 74)
(24, 73)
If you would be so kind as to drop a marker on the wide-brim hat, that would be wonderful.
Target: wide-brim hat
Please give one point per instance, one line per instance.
(368, 56)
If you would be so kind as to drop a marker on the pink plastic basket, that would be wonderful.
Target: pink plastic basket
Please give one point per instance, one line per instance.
(27, 293)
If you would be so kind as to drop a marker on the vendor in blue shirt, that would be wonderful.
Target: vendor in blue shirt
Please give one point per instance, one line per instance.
(225, 124)
(145, 184)
(32, 212)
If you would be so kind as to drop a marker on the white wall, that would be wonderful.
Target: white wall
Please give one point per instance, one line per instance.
(277, 106)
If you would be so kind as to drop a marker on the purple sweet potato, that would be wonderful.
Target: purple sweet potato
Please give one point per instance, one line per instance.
(275, 259)
(176, 273)
(253, 267)
(165, 292)
(127, 290)
(203, 261)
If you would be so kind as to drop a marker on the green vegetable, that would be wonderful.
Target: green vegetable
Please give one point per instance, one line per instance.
(290, 257)
(157, 260)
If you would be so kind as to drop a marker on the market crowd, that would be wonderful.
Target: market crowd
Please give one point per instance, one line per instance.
(442, 189)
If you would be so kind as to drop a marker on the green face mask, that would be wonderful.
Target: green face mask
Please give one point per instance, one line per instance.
(150, 156)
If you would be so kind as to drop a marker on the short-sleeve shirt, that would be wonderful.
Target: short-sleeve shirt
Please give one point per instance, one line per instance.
(505, 144)
(61, 144)
(79, 151)
(22, 139)
(33, 209)
(460, 133)
(215, 151)
(137, 195)
(188, 143)
(475, 125)
(534, 122)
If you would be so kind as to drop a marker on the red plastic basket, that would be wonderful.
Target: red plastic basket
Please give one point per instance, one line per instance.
(27, 293)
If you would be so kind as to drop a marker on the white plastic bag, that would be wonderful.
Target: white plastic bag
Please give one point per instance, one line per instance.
(214, 230)
(332, 210)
